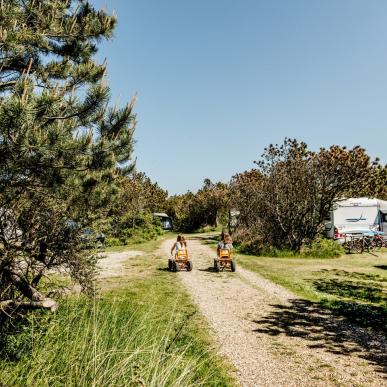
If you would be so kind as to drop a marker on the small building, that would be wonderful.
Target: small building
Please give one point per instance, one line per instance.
(166, 220)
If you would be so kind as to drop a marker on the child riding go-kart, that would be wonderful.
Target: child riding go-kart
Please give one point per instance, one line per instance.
(180, 258)
(225, 259)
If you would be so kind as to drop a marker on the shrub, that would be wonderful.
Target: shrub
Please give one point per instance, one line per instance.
(208, 229)
(322, 248)
(319, 248)
(110, 241)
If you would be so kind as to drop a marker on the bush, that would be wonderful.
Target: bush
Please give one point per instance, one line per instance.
(143, 228)
(110, 241)
(322, 248)
(209, 229)
(139, 235)
(135, 235)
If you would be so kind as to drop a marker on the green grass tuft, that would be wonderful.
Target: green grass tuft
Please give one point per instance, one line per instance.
(143, 331)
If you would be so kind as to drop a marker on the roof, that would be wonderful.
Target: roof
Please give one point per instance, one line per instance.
(363, 202)
(383, 205)
(161, 214)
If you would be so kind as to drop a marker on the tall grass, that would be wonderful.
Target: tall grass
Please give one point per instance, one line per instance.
(146, 332)
(143, 330)
(104, 342)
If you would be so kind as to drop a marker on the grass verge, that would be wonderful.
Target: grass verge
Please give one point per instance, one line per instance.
(354, 286)
(142, 331)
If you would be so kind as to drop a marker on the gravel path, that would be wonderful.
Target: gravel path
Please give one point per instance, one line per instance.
(274, 339)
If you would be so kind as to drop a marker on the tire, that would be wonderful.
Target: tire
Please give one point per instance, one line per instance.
(216, 265)
(170, 264)
(357, 247)
(378, 244)
(233, 266)
(175, 267)
(189, 266)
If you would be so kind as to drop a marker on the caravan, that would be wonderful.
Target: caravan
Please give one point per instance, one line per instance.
(356, 216)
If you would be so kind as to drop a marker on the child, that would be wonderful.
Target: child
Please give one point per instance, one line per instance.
(180, 244)
(225, 243)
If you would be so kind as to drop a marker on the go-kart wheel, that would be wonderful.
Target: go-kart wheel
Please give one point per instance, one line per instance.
(233, 266)
(216, 265)
(170, 264)
(189, 266)
(175, 266)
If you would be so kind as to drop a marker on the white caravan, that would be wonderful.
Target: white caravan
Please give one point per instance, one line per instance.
(357, 216)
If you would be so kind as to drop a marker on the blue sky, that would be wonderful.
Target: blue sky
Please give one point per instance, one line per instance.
(218, 80)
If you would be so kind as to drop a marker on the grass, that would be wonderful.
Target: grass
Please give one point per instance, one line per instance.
(142, 331)
(145, 246)
(354, 286)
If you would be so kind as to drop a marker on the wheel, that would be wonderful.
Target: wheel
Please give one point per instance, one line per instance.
(233, 266)
(189, 266)
(357, 246)
(216, 265)
(170, 264)
(347, 248)
(175, 266)
(378, 243)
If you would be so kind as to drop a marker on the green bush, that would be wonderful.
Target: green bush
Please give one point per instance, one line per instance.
(146, 228)
(322, 248)
(110, 241)
(209, 229)
(319, 248)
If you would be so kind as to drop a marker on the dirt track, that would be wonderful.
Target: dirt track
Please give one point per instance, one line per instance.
(274, 339)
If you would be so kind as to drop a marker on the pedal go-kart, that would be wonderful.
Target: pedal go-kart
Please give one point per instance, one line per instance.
(181, 261)
(224, 261)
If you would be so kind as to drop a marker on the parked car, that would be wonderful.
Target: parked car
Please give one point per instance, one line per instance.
(92, 239)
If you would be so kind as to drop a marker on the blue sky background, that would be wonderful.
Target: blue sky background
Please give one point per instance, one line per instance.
(218, 80)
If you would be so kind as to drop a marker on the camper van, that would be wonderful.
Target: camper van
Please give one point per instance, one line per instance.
(356, 216)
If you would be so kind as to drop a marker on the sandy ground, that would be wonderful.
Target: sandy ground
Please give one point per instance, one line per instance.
(113, 264)
(274, 339)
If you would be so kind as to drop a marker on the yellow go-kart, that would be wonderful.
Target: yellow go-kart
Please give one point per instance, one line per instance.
(224, 261)
(181, 261)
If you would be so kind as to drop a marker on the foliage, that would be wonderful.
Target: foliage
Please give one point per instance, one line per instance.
(191, 211)
(136, 235)
(318, 248)
(130, 215)
(283, 203)
(61, 146)
(322, 248)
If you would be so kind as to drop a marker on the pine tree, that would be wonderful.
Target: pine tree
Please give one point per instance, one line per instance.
(62, 145)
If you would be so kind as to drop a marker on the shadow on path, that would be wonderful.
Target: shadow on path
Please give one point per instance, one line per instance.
(210, 269)
(324, 330)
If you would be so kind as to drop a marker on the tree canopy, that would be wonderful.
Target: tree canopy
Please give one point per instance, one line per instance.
(62, 145)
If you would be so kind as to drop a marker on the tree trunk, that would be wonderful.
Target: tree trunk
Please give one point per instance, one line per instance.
(45, 303)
